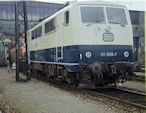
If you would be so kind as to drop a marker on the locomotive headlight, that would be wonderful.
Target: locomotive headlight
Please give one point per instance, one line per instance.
(88, 54)
(126, 53)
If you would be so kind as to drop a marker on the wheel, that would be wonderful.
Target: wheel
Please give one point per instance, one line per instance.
(70, 77)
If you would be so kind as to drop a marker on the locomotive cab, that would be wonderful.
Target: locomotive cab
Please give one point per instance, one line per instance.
(106, 43)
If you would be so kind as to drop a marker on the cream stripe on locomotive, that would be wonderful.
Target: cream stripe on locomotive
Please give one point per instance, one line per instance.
(82, 33)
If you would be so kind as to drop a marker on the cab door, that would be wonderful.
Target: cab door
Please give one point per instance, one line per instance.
(59, 37)
(62, 24)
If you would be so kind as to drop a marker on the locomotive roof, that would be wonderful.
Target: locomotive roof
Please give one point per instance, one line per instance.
(100, 3)
(77, 3)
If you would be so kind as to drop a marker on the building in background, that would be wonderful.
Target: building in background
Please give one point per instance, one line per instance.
(35, 12)
(145, 41)
(136, 9)
(39, 10)
(137, 20)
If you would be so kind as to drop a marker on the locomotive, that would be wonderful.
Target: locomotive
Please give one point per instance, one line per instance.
(87, 44)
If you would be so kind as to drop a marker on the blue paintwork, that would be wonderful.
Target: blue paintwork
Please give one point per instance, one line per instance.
(71, 54)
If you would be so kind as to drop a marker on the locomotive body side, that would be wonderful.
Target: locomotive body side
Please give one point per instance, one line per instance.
(86, 43)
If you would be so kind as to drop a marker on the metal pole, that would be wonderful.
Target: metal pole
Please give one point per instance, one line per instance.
(17, 41)
(26, 42)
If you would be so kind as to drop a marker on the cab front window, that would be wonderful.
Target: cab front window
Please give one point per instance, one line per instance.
(92, 15)
(116, 16)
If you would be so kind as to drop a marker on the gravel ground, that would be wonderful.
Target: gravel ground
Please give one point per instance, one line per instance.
(5, 105)
(140, 74)
(134, 85)
(40, 97)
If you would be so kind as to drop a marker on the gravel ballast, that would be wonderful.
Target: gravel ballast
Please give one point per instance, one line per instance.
(39, 97)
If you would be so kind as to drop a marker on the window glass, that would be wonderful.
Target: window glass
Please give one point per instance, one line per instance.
(29, 16)
(32, 34)
(37, 14)
(4, 12)
(45, 12)
(66, 18)
(92, 15)
(39, 31)
(11, 10)
(0, 11)
(50, 26)
(36, 33)
(134, 17)
(116, 16)
(33, 13)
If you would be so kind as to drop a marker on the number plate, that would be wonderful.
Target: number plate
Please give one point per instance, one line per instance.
(108, 37)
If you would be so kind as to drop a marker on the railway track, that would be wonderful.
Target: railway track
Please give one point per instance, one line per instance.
(130, 97)
(138, 78)
(133, 98)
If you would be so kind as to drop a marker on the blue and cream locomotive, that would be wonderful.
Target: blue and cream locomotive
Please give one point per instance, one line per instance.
(84, 43)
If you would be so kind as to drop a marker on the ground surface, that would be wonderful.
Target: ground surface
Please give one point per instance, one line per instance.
(140, 74)
(134, 85)
(40, 97)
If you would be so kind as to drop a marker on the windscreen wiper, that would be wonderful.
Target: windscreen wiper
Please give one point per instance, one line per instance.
(118, 23)
(115, 23)
(99, 20)
(95, 22)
